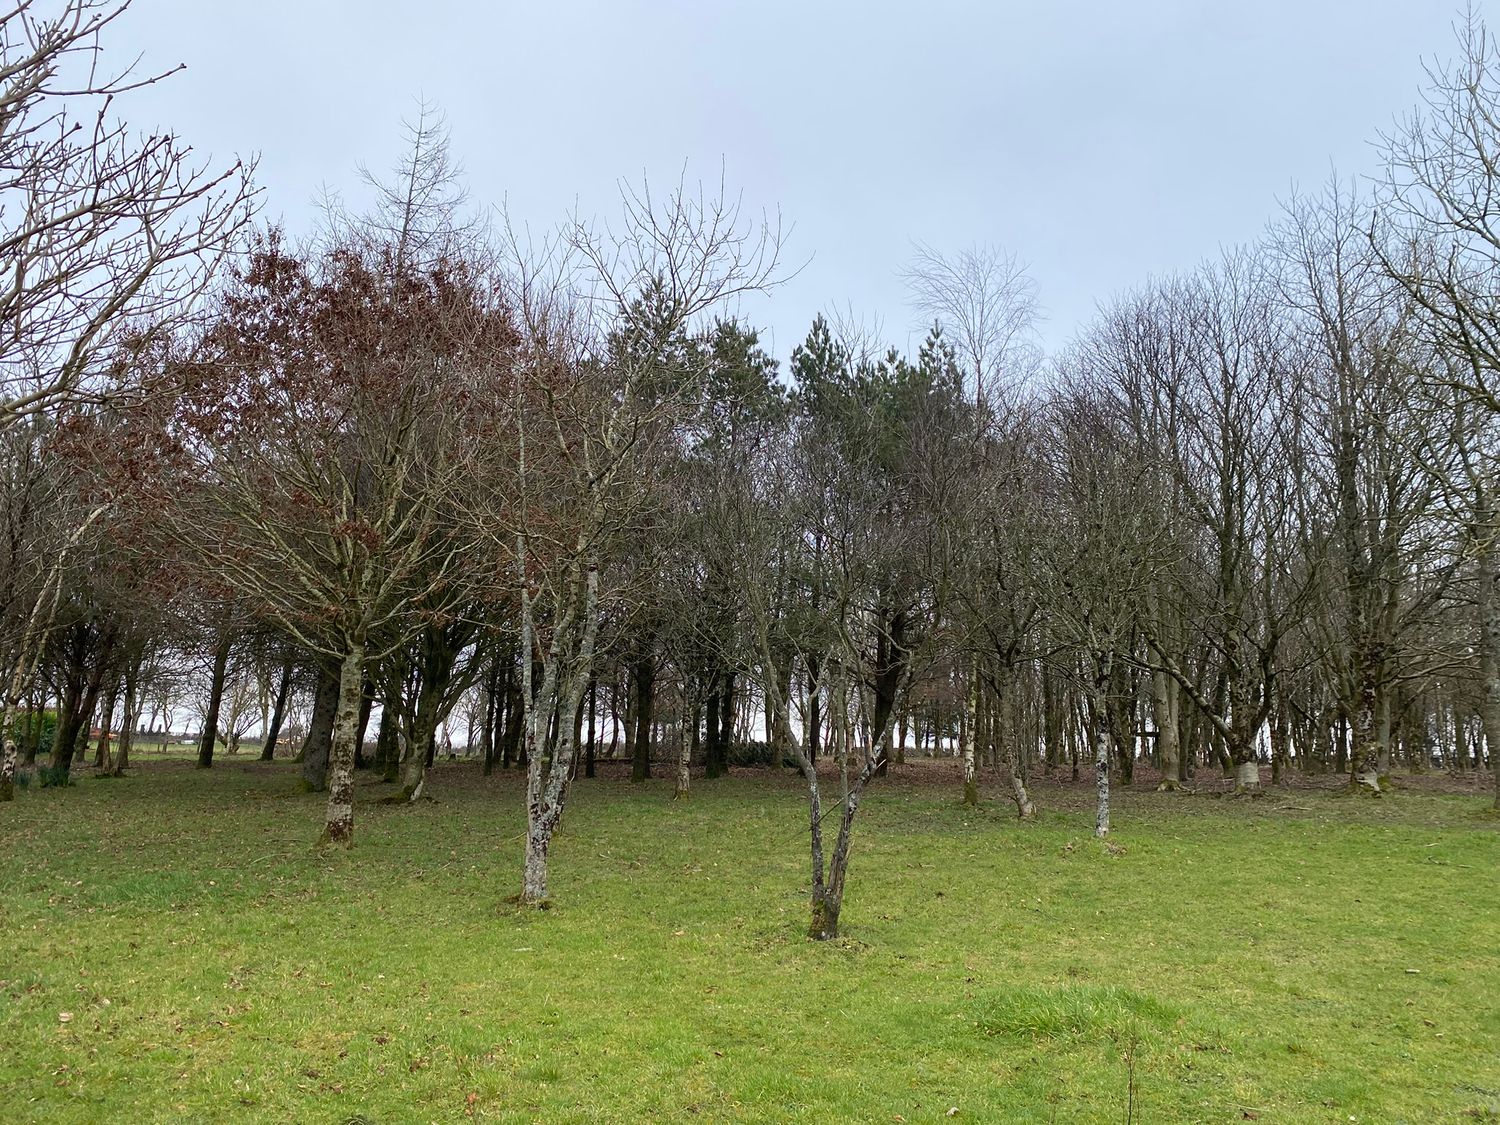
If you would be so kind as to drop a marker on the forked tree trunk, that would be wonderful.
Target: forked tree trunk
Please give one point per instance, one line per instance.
(103, 758)
(422, 736)
(1014, 759)
(127, 720)
(74, 712)
(338, 827)
(828, 897)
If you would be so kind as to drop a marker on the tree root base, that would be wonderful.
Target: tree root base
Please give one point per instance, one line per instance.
(520, 900)
(1367, 785)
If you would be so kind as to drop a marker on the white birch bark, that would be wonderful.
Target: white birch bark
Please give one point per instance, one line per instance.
(550, 760)
(970, 733)
(1101, 776)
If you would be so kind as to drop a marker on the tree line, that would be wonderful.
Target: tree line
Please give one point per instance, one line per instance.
(420, 466)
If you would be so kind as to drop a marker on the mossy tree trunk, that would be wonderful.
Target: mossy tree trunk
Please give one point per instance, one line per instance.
(338, 827)
(316, 747)
(551, 746)
(1488, 608)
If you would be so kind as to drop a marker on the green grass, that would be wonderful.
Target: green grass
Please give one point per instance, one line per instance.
(1324, 961)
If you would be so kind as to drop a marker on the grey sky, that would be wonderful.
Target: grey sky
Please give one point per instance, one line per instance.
(1101, 140)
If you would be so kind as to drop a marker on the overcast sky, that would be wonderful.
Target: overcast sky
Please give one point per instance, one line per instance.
(1100, 140)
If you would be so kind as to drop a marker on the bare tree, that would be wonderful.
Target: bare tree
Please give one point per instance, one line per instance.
(595, 394)
(986, 302)
(104, 233)
(1442, 245)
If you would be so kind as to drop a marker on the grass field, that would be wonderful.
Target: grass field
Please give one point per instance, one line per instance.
(175, 951)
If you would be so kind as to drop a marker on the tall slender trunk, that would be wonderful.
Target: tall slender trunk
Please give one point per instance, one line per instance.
(278, 712)
(687, 746)
(712, 758)
(1488, 606)
(103, 757)
(1281, 737)
(645, 690)
(1101, 782)
(129, 719)
(970, 733)
(362, 726)
(1165, 700)
(493, 701)
(814, 709)
(338, 828)
(588, 751)
(215, 699)
(387, 757)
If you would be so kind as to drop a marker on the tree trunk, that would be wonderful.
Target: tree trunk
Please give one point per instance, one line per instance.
(550, 756)
(76, 709)
(493, 703)
(387, 759)
(1101, 782)
(1488, 599)
(338, 828)
(362, 727)
(1364, 757)
(278, 713)
(8, 761)
(319, 742)
(103, 758)
(1165, 700)
(129, 718)
(645, 685)
(687, 747)
(420, 746)
(969, 734)
(588, 750)
(215, 699)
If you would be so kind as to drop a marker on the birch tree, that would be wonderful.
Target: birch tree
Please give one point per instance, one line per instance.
(595, 395)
